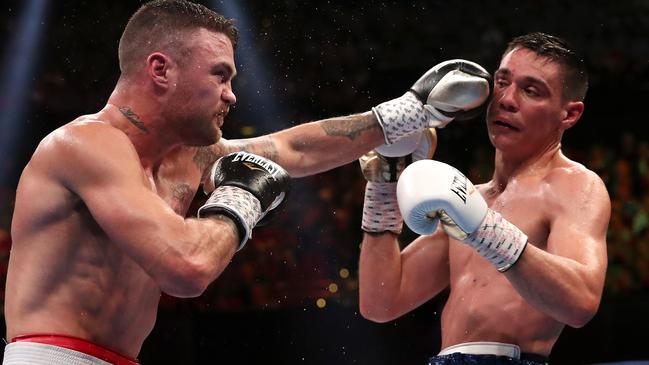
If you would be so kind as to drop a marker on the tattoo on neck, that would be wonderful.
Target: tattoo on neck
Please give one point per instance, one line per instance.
(133, 118)
(350, 126)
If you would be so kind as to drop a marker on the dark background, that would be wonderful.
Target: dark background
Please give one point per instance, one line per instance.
(302, 61)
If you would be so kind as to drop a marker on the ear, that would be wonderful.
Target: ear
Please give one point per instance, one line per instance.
(158, 67)
(571, 114)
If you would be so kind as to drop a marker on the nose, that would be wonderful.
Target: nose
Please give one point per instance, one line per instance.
(506, 98)
(228, 95)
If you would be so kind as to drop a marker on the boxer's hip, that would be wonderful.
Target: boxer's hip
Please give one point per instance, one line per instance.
(495, 353)
(54, 349)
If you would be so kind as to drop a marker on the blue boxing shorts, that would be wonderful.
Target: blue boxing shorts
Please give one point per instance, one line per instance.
(486, 353)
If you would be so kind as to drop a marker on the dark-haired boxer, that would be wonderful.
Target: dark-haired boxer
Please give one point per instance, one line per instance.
(524, 254)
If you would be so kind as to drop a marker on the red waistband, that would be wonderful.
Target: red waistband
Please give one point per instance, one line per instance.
(78, 344)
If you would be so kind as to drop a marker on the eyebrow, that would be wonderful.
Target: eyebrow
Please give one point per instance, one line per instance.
(230, 69)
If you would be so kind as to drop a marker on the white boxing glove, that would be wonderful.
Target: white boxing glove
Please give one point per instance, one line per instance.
(380, 208)
(454, 89)
(429, 192)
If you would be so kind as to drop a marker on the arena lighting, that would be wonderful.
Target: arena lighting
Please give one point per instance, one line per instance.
(256, 93)
(17, 74)
(257, 108)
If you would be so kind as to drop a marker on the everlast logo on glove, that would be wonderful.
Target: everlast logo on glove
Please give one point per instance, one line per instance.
(459, 186)
(254, 162)
(245, 188)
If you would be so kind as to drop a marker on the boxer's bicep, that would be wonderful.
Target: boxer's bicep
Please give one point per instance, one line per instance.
(578, 231)
(426, 257)
(106, 174)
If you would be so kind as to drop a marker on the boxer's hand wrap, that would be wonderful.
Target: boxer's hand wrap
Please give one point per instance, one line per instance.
(405, 115)
(431, 191)
(236, 203)
(498, 240)
(455, 89)
(247, 188)
(380, 209)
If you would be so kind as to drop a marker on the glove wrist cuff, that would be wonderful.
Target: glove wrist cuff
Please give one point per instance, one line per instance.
(380, 209)
(498, 240)
(239, 204)
(401, 116)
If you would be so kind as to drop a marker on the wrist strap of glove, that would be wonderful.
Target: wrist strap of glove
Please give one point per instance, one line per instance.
(380, 209)
(498, 240)
(239, 204)
(404, 115)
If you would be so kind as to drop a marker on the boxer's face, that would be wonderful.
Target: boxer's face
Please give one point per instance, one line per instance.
(203, 92)
(526, 110)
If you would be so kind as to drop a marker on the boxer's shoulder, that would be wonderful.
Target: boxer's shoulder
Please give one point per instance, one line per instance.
(83, 148)
(570, 174)
(573, 185)
(88, 137)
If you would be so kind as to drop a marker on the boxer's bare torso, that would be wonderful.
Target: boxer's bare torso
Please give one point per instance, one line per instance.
(561, 206)
(72, 279)
(483, 305)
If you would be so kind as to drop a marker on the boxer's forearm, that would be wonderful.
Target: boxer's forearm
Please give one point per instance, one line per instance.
(562, 288)
(319, 146)
(379, 276)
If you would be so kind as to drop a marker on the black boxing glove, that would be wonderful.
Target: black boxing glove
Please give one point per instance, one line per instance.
(246, 188)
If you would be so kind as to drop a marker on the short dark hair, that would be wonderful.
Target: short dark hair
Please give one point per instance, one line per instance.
(160, 23)
(559, 51)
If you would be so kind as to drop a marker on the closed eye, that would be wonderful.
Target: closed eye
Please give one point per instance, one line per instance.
(531, 91)
(501, 83)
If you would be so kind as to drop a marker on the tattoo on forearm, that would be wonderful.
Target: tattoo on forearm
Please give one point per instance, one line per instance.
(133, 118)
(350, 126)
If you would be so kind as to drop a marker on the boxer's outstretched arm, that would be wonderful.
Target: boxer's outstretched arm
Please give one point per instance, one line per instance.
(451, 89)
(317, 146)
(99, 164)
(566, 282)
(390, 280)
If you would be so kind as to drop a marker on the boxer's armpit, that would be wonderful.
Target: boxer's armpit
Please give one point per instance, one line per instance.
(205, 157)
(182, 196)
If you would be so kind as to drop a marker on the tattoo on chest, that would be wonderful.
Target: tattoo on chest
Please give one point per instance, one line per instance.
(351, 126)
(133, 118)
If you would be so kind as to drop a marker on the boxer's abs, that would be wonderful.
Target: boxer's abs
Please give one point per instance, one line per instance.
(481, 308)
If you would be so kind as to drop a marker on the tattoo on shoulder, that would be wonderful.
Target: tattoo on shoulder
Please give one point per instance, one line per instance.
(350, 126)
(133, 118)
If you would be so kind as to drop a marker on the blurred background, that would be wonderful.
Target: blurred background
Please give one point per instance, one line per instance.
(291, 296)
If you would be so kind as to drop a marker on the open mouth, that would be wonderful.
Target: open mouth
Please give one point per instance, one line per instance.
(505, 125)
